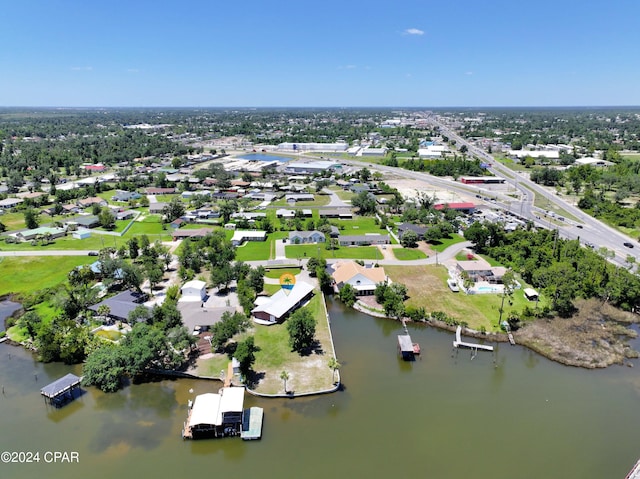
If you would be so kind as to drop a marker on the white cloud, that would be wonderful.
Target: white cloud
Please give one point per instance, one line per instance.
(468, 73)
(348, 67)
(82, 69)
(413, 31)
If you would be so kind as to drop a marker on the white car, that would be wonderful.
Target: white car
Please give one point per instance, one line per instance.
(453, 285)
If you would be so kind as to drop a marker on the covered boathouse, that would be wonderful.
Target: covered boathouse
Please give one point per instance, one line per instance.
(62, 390)
(215, 415)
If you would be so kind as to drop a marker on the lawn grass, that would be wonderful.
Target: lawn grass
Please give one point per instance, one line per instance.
(276, 273)
(406, 254)
(254, 251)
(427, 287)
(13, 221)
(306, 373)
(344, 252)
(446, 242)
(33, 273)
(319, 200)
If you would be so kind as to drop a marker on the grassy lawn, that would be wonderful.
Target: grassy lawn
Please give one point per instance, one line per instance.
(276, 273)
(406, 254)
(427, 288)
(32, 273)
(446, 242)
(254, 250)
(344, 195)
(14, 221)
(320, 200)
(344, 252)
(306, 373)
(464, 257)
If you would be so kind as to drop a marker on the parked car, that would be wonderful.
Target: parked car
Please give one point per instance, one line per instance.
(627, 244)
(93, 253)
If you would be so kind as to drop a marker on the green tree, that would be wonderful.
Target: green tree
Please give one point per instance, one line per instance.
(31, 219)
(509, 284)
(348, 295)
(104, 368)
(107, 219)
(31, 321)
(301, 327)
(175, 209)
(284, 375)
(409, 239)
(334, 365)
(245, 354)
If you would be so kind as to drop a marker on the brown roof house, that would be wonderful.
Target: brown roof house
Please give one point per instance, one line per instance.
(364, 280)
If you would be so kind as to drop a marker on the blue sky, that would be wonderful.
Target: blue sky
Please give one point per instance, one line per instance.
(410, 53)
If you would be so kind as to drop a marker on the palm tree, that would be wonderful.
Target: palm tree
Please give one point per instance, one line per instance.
(334, 365)
(284, 376)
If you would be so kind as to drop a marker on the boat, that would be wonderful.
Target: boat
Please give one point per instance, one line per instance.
(453, 285)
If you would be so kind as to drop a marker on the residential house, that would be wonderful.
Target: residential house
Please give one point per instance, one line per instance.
(363, 240)
(125, 196)
(121, 304)
(480, 270)
(341, 213)
(89, 202)
(193, 234)
(241, 236)
(302, 237)
(157, 208)
(42, 231)
(276, 308)
(295, 197)
(364, 280)
(125, 215)
(418, 230)
(160, 191)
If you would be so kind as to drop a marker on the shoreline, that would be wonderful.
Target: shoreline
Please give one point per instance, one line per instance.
(614, 352)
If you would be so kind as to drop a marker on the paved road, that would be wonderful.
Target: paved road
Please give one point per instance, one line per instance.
(44, 253)
(592, 231)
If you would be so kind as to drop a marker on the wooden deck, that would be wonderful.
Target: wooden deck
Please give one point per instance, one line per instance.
(458, 343)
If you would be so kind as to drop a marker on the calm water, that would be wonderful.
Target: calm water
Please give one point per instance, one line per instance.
(263, 157)
(7, 308)
(445, 416)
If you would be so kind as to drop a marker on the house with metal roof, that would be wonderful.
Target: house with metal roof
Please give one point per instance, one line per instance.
(303, 237)
(276, 308)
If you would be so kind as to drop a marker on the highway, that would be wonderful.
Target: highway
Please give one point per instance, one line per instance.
(592, 231)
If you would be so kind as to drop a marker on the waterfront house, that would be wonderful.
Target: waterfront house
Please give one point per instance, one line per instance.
(121, 304)
(363, 280)
(277, 307)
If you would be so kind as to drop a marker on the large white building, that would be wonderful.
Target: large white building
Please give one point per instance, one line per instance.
(328, 147)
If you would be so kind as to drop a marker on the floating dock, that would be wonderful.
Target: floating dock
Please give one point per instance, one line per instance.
(458, 343)
(252, 424)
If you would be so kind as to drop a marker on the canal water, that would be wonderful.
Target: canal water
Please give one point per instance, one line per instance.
(509, 415)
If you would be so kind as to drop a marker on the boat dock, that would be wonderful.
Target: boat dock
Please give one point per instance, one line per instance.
(458, 343)
(63, 390)
(252, 424)
(406, 347)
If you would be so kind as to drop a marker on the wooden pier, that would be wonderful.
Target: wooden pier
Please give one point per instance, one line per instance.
(458, 343)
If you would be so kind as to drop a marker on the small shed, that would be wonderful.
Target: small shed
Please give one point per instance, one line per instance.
(81, 234)
(531, 294)
(194, 290)
(62, 390)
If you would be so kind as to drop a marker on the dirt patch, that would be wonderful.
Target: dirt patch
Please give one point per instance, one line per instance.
(595, 337)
